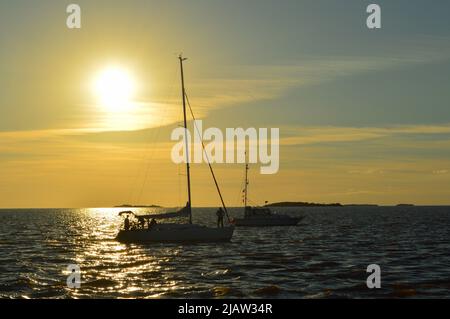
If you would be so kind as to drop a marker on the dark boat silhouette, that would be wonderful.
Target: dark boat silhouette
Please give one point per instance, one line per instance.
(262, 216)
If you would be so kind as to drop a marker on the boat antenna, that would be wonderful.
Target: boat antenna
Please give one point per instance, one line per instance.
(246, 182)
(183, 93)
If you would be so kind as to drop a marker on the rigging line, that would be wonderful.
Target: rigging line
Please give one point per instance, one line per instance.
(136, 193)
(244, 181)
(149, 155)
(179, 185)
(240, 196)
(207, 158)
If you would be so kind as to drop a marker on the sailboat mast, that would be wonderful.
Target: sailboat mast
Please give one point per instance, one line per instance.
(246, 185)
(188, 173)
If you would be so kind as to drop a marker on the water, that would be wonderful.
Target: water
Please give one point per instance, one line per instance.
(324, 257)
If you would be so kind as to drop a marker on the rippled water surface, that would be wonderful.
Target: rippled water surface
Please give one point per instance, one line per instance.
(324, 257)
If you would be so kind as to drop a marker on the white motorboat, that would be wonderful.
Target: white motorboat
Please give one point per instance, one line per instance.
(262, 216)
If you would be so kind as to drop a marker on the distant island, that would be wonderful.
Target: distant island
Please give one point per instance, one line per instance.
(307, 204)
(363, 205)
(302, 204)
(138, 206)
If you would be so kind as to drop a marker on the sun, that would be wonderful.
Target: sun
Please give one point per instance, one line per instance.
(114, 87)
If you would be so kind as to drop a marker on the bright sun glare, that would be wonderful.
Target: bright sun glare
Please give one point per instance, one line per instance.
(115, 88)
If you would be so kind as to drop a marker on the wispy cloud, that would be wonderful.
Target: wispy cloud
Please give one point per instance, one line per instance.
(236, 85)
(329, 134)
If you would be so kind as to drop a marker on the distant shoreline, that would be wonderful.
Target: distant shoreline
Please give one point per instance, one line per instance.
(307, 204)
(276, 204)
(301, 204)
(137, 206)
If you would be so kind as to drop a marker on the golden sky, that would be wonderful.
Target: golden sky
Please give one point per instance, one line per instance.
(363, 116)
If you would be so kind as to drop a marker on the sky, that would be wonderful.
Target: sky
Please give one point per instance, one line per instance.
(363, 114)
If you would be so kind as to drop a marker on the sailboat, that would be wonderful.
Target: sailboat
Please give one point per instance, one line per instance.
(262, 216)
(148, 230)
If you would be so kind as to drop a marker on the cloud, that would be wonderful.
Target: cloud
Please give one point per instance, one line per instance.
(239, 84)
(330, 134)
(64, 140)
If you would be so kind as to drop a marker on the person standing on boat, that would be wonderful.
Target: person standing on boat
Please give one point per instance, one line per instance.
(126, 223)
(220, 214)
(151, 223)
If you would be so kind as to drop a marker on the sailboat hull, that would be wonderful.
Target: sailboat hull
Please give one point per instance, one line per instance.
(177, 233)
